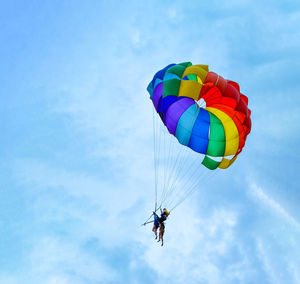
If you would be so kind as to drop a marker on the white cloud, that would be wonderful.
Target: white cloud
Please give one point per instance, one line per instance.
(172, 13)
(193, 247)
(90, 200)
(55, 261)
(271, 204)
(135, 37)
(8, 279)
(267, 265)
(293, 269)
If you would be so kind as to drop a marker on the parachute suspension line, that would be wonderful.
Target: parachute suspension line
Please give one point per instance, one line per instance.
(157, 147)
(188, 178)
(173, 194)
(171, 157)
(171, 164)
(194, 171)
(183, 170)
(147, 221)
(159, 141)
(163, 196)
(176, 164)
(167, 160)
(164, 188)
(154, 158)
(164, 155)
(180, 171)
(182, 160)
(192, 189)
(177, 171)
(196, 182)
(184, 175)
(182, 157)
(187, 189)
(161, 156)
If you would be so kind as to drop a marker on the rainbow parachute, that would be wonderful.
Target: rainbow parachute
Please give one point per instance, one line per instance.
(204, 111)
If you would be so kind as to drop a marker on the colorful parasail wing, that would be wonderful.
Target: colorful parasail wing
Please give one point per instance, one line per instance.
(219, 129)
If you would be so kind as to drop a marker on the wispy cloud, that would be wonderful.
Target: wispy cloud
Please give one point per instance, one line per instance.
(270, 271)
(197, 245)
(63, 261)
(272, 205)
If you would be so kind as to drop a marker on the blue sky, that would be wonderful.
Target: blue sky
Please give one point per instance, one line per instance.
(76, 167)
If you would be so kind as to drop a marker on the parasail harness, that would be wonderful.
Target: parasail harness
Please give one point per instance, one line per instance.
(166, 214)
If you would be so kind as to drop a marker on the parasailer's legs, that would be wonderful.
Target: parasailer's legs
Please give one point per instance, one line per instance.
(154, 230)
(161, 233)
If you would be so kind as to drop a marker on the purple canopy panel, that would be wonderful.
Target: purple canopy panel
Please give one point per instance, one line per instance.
(157, 94)
(175, 111)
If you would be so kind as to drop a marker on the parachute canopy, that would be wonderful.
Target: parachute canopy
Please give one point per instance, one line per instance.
(204, 111)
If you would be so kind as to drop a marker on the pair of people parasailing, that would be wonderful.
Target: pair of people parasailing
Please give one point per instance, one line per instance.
(159, 223)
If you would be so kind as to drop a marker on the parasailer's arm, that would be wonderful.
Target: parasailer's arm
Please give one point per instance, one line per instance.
(147, 223)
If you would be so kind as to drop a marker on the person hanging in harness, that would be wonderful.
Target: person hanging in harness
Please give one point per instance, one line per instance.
(163, 215)
(159, 222)
(155, 224)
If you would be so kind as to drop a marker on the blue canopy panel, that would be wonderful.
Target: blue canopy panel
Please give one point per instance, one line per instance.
(200, 134)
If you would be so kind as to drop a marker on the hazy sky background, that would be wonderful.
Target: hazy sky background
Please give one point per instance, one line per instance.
(76, 168)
